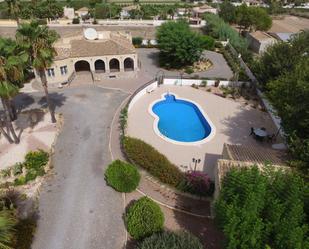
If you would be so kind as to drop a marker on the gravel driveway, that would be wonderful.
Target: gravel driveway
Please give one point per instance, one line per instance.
(76, 208)
(149, 58)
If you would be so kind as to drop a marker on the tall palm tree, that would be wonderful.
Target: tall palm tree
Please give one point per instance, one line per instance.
(12, 62)
(14, 9)
(7, 224)
(38, 42)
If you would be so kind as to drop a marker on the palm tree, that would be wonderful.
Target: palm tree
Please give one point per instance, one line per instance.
(38, 42)
(7, 224)
(14, 9)
(12, 62)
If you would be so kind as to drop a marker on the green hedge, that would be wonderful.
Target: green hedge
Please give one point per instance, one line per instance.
(122, 176)
(170, 240)
(147, 157)
(144, 218)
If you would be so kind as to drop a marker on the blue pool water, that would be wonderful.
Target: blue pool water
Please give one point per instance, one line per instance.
(181, 120)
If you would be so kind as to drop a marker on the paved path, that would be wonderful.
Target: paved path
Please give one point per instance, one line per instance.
(76, 208)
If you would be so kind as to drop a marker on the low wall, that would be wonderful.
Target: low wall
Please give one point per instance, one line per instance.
(150, 86)
(189, 82)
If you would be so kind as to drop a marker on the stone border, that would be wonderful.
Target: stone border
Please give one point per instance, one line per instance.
(156, 122)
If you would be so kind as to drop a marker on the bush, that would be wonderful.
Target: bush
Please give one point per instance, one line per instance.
(170, 240)
(189, 70)
(147, 157)
(144, 218)
(198, 183)
(122, 176)
(36, 160)
(76, 20)
(20, 181)
(208, 42)
(42, 21)
(18, 169)
(137, 41)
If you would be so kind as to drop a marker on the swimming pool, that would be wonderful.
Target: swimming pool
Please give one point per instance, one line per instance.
(180, 120)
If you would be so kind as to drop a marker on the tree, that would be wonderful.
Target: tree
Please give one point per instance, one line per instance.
(179, 46)
(263, 209)
(49, 9)
(12, 62)
(281, 58)
(227, 12)
(14, 8)
(7, 223)
(289, 94)
(252, 18)
(38, 42)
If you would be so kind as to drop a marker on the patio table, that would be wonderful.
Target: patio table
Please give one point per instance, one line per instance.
(260, 133)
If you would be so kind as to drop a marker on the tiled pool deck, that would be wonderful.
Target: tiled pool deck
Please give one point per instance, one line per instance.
(231, 120)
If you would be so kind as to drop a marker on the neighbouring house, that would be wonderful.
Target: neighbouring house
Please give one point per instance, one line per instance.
(84, 11)
(125, 11)
(252, 2)
(201, 10)
(259, 41)
(240, 156)
(182, 12)
(103, 54)
(68, 13)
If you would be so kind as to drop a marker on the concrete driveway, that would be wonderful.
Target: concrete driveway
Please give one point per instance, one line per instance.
(76, 208)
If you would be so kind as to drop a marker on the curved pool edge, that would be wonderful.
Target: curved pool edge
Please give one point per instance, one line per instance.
(156, 122)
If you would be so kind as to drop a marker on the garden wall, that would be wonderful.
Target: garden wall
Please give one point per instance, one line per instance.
(189, 82)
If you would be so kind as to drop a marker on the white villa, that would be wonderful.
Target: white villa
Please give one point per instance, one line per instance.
(103, 54)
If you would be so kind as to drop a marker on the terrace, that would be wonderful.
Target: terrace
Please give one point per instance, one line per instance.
(232, 122)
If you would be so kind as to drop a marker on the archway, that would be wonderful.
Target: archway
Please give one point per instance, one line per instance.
(128, 64)
(114, 65)
(99, 66)
(82, 66)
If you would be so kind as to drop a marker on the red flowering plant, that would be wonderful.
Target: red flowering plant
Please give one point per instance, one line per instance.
(198, 183)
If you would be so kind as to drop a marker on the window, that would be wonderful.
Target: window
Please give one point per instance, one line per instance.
(51, 72)
(64, 70)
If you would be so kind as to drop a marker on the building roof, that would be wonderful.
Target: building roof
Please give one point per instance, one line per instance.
(253, 154)
(131, 7)
(283, 36)
(82, 9)
(261, 36)
(78, 46)
(203, 8)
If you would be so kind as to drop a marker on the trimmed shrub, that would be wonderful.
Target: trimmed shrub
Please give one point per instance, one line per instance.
(144, 218)
(122, 176)
(170, 240)
(147, 157)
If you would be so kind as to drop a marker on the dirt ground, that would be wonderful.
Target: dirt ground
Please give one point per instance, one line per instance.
(289, 24)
